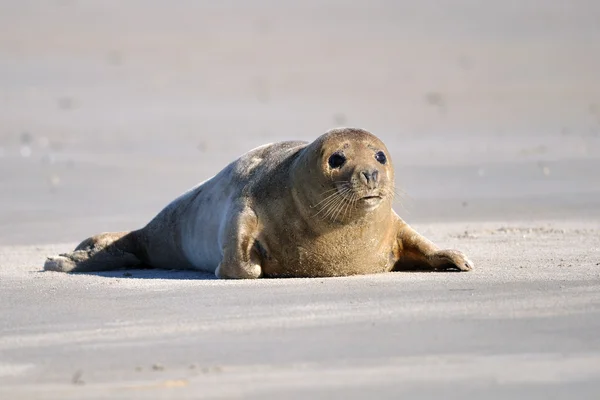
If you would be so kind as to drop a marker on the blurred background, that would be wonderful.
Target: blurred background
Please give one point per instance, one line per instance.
(110, 109)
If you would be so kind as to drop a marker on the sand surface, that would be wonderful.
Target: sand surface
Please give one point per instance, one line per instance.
(491, 112)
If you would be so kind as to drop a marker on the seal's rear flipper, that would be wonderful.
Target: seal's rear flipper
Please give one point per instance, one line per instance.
(103, 252)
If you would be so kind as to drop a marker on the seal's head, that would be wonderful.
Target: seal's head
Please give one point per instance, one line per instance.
(353, 173)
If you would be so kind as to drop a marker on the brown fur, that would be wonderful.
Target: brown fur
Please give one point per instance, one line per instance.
(279, 211)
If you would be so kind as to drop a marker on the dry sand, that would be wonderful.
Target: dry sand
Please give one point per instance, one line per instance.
(491, 110)
(524, 323)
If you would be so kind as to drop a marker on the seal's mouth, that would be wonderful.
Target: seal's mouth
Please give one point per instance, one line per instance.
(371, 200)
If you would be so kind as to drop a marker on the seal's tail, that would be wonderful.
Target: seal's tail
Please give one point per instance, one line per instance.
(103, 252)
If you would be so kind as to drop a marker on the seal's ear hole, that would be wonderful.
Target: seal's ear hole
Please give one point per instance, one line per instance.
(380, 157)
(336, 160)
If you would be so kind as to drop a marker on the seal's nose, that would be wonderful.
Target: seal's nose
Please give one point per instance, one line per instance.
(370, 178)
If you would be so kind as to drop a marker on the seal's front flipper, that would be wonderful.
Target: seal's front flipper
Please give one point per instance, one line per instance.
(415, 252)
(450, 260)
(241, 256)
(103, 252)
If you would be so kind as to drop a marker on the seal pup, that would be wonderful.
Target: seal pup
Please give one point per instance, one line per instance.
(289, 209)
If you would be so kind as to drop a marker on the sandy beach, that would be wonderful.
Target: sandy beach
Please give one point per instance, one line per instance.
(491, 112)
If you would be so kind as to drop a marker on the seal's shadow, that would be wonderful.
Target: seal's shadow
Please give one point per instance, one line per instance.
(152, 273)
(157, 273)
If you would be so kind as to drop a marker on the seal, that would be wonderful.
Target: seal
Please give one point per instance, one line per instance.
(289, 209)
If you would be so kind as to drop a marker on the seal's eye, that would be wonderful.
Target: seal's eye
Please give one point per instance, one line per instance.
(380, 157)
(337, 160)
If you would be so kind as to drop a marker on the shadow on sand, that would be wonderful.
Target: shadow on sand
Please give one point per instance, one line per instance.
(196, 275)
(152, 273)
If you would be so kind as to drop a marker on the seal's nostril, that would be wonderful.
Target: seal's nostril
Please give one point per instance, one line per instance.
(367, 176)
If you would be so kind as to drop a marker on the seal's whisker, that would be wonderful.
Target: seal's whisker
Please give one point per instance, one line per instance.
(325, 209)
(355, 201)
(339, 209)
(350, 205)
(332, 202)
(327, 193)
(330, 206)
(345, 184)
(387, 192)
(335, 191)
(401, 193)
(398, 195)
(329, 190)
(403, 207)
(333, 207)
(342, 210)
(330, 199)
(333, 211)
(326, 198)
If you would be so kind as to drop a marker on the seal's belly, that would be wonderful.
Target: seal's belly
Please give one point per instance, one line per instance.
(202, 225)
(201, 235)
